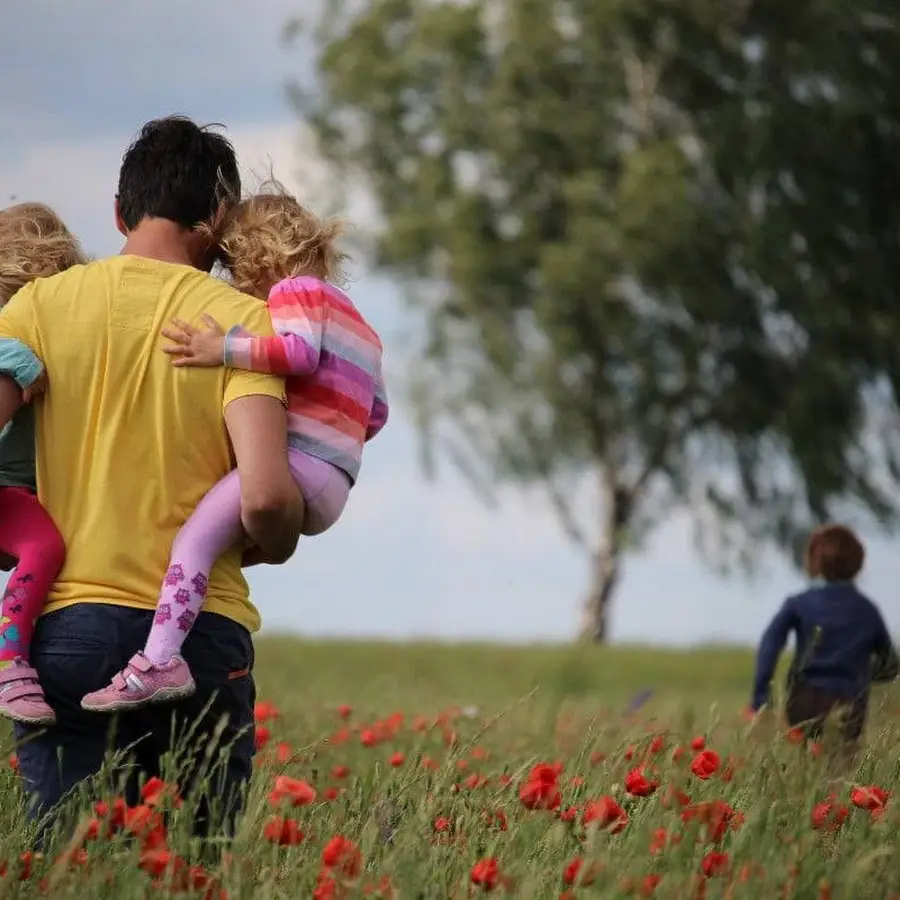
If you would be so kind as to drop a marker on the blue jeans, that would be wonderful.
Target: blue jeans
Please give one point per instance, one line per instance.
(77, 650)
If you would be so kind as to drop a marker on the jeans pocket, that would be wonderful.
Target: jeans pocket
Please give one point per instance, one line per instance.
(219, 651)
(72, 654)
(70, 667)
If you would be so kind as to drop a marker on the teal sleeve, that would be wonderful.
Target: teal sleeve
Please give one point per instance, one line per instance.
(19, 363)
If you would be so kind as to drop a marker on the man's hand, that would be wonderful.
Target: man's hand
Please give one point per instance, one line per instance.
(194, 346)
(253, 556)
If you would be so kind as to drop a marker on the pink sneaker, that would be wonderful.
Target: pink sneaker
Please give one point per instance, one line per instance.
(141, 682)
(22, 697)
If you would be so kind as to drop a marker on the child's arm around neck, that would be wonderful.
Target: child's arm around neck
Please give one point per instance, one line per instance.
(298, 309)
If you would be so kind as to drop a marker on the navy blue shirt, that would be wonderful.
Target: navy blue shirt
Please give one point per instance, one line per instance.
(842, 643)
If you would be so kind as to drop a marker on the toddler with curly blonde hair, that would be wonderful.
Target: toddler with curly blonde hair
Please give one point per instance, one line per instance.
(34, 243)
(275, 249)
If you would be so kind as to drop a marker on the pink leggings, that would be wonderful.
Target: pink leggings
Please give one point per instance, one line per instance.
(213, 528)
(28, 534)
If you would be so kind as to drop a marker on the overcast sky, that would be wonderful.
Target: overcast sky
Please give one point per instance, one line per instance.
(410, 557)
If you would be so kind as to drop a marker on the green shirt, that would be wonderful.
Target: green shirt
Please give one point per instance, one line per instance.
(17, 451)
(17, 438)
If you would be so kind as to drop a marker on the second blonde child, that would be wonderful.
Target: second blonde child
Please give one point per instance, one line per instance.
(34, 243)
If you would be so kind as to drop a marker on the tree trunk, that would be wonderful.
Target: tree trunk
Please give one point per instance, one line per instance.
(604, 580)
(606, 563)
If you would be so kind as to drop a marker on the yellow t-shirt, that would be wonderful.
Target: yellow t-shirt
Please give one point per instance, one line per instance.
(127, 444)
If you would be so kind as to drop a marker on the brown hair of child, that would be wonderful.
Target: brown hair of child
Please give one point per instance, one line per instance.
(834, 553)
(34, 243)
(270, 236)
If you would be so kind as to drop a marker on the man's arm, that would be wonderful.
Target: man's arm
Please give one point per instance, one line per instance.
(770, 646)
(271, 503)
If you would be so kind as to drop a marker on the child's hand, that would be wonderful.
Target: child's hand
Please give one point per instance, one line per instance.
(36, 387)
(196, 347)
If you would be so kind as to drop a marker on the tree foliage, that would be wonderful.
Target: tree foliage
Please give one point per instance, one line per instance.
(654, 245)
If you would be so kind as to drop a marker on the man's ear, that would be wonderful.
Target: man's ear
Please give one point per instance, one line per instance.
(120, 222)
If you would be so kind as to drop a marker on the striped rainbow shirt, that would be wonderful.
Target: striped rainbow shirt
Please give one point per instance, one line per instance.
(331, 358)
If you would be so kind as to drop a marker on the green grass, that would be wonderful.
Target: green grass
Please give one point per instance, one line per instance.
(499, 711)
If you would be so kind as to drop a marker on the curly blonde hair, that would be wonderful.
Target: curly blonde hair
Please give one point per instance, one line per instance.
(270, 236)
(34, 243)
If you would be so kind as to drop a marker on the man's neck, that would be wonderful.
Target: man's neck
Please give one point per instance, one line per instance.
(166, 241)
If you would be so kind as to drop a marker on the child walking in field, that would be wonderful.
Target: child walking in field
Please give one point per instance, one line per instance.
(34, 243)
(274, 249)
(842, 643)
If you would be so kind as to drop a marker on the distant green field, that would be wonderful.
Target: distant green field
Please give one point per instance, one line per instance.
(427, 773)
(372, 675)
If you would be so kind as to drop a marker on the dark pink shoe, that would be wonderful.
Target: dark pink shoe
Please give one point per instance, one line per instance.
(141, 682)
(22, 697)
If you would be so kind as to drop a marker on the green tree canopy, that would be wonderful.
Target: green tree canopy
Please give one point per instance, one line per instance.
(654, 247)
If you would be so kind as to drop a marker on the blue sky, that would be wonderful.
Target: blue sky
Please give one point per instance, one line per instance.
(410, 557)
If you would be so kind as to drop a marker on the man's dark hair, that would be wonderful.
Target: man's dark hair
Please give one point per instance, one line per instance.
(176, 170)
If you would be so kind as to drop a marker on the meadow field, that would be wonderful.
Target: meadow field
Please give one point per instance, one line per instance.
(430, 771)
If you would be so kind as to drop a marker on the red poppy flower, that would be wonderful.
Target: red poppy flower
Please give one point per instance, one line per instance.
(715, 864)
(283, 831)
(605, 813)
(705, 764)
(284, 753)
(871, 798)
(541, 789)
(828, 815)
(717, 816)
(146, 824)
(638, 784)
(579, 873)
(327, 887)
(261, 736)
(294, 791)
(265, 711)
(155, 792)
(342, 854)
(369, 737)
(486, 873)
